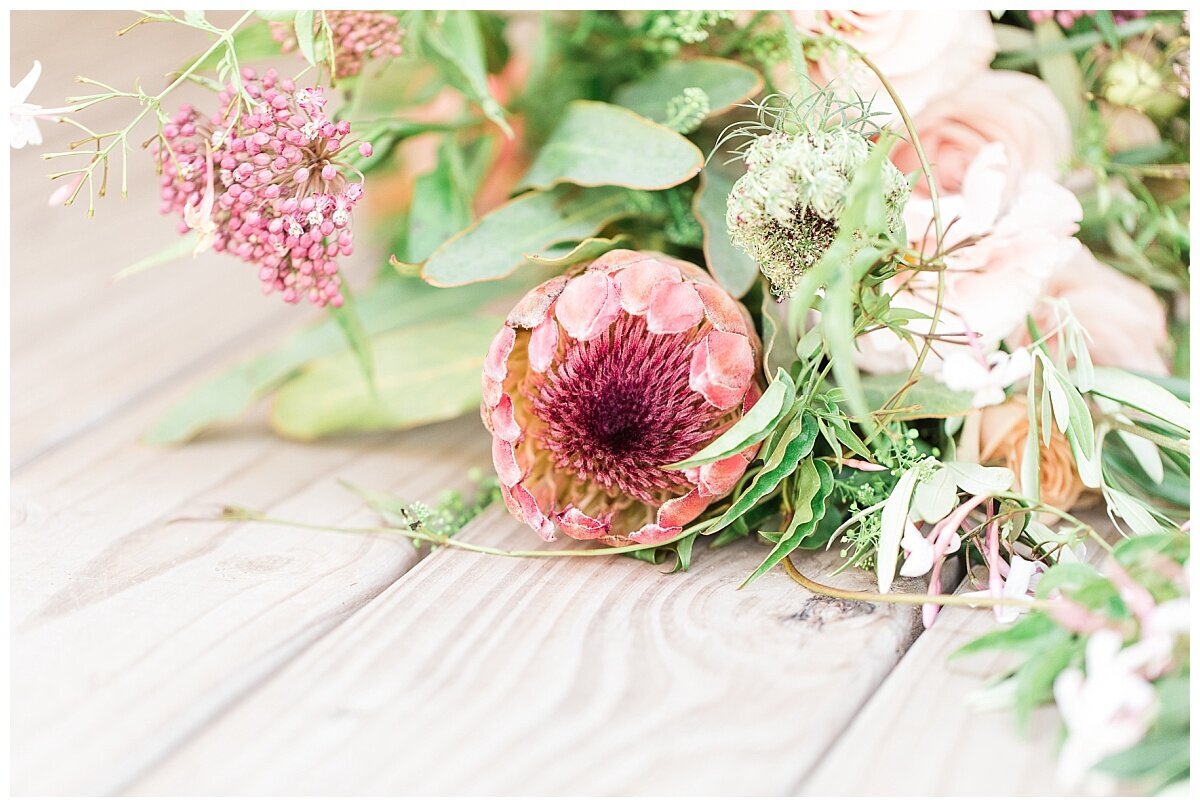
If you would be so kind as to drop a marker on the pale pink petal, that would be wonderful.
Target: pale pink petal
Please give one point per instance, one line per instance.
(543, 342)
(580, 526)
(504, 457)
(723, 311)
(653, 534)
(718, 478)
(533, 307)
(722, 368)
(495, 364)
(639, 279)
(680, 511)
(675, 307)
(492, 390)
(531, 513)
(588, 305)
(617, 259)
(504, 422)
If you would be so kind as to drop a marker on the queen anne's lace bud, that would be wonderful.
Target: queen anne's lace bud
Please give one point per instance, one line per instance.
(603, 376)
(357, 36)
(268, 185)
(784, 211)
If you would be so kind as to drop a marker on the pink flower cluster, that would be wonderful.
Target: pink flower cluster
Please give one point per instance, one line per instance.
(357, 36)
(1068, 19)
(267, 184)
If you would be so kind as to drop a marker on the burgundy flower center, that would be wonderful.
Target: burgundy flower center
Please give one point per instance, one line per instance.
(618, 407)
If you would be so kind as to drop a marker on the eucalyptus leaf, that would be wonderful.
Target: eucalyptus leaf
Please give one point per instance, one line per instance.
(424, 374)
(496, 245)
(598, 144)
(733, 268)
(756, 424)
(725, 82)
(585, 251)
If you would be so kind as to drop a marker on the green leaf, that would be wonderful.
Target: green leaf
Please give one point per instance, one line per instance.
(392, 302)
(305, 35)
(935, 497)
(799, 529)
(725, 82)
(1025, 635)
(497, 244)
(1142, 394)
(599, 144)
(1131, 511)
(251, 43)
(980, 480)
(838, 328)
(1060, 70)
(1068, 576)
(276, 16)
(457, 48)
(585, 251)
(1035, 678)
(178, 248)
(424, 374)
(892, 524)
(350, 322)
(1031, 459)
(795, 444)
(441, 204)
(734, 269)
(756, 424)
(927, 398)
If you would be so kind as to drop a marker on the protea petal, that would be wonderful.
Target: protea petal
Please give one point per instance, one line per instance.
(722, 368)
(675, 307)
(602, 379)
(588, 305)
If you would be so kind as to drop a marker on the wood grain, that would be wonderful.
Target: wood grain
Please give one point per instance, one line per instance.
(919, 736)
(482, 675)
(130, 632)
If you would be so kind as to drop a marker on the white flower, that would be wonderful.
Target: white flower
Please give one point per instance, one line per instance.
(1106, 711)
(23, 116)
(920, 552)
(963, 371)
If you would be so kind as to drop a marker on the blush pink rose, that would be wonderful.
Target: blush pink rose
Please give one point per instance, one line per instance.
(924, 54)
(1124, 318)
(991, 106)
(991, 284)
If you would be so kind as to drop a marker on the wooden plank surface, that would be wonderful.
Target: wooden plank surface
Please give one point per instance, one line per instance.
(483, 675)
(129, 633)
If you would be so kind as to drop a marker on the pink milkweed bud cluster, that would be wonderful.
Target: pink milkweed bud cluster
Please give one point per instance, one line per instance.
(269, 172)
(357, 36)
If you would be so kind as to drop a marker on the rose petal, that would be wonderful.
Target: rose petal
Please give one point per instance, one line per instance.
(503, 420)
(674, 308)
(723, 311)
(638, 281)
(588, 305)
(722, 368)
(495, 364)
(543, 342)
(533, 307)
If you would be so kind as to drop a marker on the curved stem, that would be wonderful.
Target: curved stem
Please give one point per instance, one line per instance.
(907, 599)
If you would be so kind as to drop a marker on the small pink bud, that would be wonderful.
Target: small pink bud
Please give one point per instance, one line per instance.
(365, 149)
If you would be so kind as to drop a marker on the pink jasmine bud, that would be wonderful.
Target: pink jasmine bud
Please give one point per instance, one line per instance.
(365, 149)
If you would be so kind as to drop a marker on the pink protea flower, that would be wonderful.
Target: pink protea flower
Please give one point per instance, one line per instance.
(606, 374)
(268, 184)
(357, 36)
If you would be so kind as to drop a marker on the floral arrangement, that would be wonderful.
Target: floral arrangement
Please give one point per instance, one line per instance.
(908, 285)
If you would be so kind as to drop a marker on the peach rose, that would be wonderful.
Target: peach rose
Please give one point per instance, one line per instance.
(992, 106)
(992, 283)
(924, 54)
(1002, 433)
(1125, 320)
